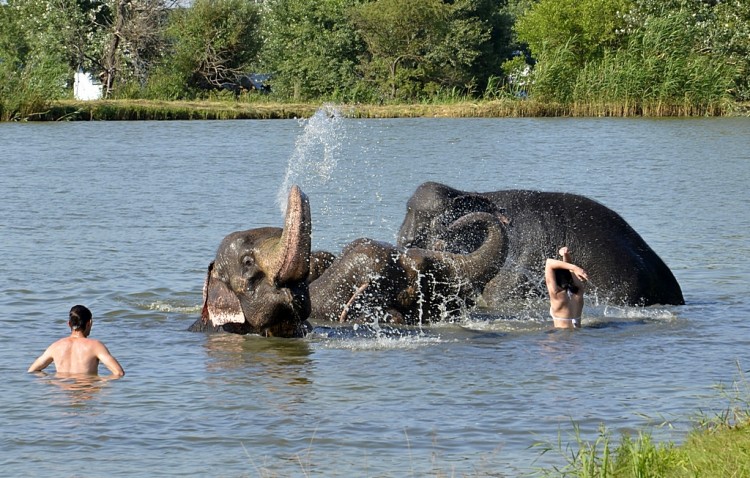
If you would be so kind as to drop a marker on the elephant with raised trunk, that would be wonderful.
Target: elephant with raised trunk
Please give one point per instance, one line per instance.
(258, 281)
(267, 281)
(622, 268)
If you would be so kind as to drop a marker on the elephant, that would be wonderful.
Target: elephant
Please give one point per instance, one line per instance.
(374, 279)
(267, 281)
(257, 283)
(622, 268)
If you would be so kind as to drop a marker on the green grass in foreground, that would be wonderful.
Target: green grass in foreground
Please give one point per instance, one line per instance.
(718, 447)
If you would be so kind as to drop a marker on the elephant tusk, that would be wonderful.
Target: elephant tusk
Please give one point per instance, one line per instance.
(349, 303)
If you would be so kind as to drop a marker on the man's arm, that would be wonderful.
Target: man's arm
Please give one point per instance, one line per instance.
(42, 362)
(109, 361)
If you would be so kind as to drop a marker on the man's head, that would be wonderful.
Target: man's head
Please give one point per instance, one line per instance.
(80, 318)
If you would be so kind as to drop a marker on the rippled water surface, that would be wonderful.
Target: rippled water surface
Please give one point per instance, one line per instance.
(125, 216)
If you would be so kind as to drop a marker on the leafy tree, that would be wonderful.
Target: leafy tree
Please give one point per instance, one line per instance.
(717, 28)
(49, 33)
(586, 27)
(496, 19)
(213, 42)
(311, 48)
(454, 60)
(30, 74)
(663, 55)
(399, 34)
(730, 33)
(116, 37)
(133, 40)
(413, 44)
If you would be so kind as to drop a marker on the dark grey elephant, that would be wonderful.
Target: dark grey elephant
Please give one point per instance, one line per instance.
(375, 280)
(267, 281)
(258, 282)
(622, 268)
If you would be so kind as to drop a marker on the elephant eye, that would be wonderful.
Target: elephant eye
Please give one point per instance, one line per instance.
(248, 261)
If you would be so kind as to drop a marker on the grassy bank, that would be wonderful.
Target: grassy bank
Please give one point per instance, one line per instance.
(110, 110)
(720, 452)
(717, 447)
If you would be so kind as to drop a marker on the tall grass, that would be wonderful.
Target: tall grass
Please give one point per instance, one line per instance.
(718, 446)
(26, 90)
(659, 72)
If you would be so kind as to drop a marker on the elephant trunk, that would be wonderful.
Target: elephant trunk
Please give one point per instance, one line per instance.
(289, 261)
(481, 265)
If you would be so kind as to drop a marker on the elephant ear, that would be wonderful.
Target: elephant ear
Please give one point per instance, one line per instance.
(220, 304)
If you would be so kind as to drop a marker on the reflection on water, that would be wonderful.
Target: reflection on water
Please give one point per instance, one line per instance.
(78, 389)
(374, 336)
(284, 366)
(558, 347)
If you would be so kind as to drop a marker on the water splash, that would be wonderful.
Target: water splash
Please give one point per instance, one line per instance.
(315, 154)
(161, 306)
(369, 337)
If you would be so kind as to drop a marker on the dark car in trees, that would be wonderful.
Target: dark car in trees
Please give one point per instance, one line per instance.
(249, 82)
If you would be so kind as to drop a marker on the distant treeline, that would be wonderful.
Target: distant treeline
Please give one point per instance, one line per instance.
(655, 57)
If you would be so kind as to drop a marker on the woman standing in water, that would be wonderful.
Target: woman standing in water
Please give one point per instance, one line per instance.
(566, 283)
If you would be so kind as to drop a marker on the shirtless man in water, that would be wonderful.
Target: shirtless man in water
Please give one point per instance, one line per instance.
(566, 283)
(78, 354)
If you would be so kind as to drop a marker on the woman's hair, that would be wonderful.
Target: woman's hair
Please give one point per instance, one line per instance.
(564, 280)
(79, 316)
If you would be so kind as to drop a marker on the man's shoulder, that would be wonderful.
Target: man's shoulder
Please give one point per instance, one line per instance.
(92, 342)
(60, 343)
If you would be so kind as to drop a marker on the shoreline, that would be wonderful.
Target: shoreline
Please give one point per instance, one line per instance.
(134, 110)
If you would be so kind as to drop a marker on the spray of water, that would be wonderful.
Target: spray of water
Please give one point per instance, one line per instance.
(315, 154)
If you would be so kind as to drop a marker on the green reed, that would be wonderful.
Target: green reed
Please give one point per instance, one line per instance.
(504, 107)
(658, 72)
(718, 446)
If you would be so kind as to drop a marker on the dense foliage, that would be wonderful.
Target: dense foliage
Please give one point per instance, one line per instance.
(639, 55)
(312, 49)
(210, 44)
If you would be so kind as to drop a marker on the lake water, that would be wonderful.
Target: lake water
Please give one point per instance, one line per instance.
(124, 217)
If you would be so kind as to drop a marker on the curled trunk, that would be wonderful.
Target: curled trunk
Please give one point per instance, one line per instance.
(480, 265)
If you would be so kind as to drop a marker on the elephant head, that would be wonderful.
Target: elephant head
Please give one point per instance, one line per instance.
(258, 281)
(433, 208)
(372, 279)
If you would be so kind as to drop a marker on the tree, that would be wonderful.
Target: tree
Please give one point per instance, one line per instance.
(118, 38)
(33, 67)
(311, 48)
(730, 34)
(134, 40)
(214, 41)
(456, 58)
(719, 28)
(659, 54)
(414, 43)
(496, 19)
(586, 27)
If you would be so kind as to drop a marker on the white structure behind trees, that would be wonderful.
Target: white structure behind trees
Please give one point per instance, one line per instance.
(85, 88)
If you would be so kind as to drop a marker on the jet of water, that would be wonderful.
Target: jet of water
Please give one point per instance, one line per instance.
(316, 153)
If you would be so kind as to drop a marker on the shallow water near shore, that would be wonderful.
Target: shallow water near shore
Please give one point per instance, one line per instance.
(124, 217)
